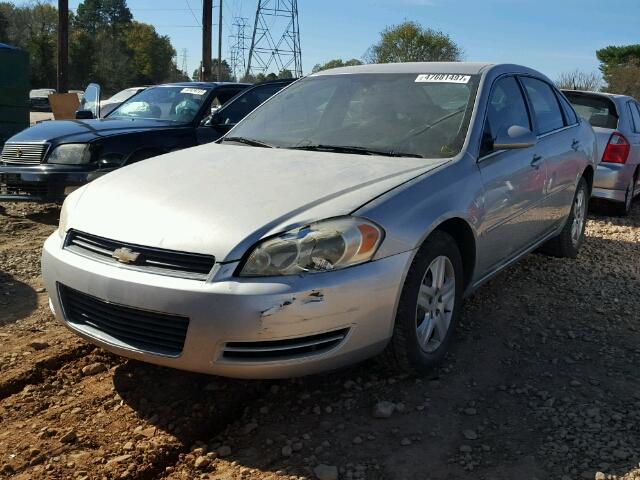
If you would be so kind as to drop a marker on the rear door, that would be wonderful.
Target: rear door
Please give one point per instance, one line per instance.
(513, 180)
(559, 144)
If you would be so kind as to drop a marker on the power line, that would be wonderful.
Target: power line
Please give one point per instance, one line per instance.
(193, 13)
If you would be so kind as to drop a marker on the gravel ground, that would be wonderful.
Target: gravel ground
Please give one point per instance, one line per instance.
(542, 383)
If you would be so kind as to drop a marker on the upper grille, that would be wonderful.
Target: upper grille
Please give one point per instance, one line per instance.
(152, 332)
(24, 153)
(284, 349)
(153, 260)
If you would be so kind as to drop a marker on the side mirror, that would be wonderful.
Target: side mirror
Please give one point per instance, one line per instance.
(213, 120)
(84, 115)
(514, 137)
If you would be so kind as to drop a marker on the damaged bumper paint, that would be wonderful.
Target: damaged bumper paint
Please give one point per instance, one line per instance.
(241, 327)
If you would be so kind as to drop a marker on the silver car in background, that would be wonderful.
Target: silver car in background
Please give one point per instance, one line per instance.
(616, 122)
(348, 215)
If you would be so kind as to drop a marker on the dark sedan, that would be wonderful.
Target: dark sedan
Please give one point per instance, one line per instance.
(51, 159)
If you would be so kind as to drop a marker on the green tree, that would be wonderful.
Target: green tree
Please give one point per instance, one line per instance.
(286, 73)
(33, 28)
(4, 24)
(93, 15)
(410, 42)
(336, 63)
(226, 71)
(620, 67)
(151, 54)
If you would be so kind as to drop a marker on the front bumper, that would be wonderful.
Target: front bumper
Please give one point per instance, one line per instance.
(611, 181)
(43, 183)
(226, 309)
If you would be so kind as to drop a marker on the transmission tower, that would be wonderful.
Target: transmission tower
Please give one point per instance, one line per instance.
(275, 44)
(238, 42)
(184, 61)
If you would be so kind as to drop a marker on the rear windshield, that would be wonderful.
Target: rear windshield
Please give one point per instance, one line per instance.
(598, 110)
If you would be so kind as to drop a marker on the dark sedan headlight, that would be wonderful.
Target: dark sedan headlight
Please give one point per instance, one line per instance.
(70, 154)
(319, 247)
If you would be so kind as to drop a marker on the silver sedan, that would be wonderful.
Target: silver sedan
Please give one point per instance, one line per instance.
(616, 122)
(348, 215)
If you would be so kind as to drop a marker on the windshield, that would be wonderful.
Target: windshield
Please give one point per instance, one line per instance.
(123, 95)
(176, 104)
(403, 114)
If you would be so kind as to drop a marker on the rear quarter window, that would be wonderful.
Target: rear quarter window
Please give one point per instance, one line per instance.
(598, 110)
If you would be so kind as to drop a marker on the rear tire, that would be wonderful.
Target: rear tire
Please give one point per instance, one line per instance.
(623, 209)
(429, 306)
(567, 244)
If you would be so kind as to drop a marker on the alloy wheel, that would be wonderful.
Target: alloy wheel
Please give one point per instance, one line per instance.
(579, 216)
(436, 301)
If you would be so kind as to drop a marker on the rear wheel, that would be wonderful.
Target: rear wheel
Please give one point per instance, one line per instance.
(429, 306)
(568, 243)
(623, 209)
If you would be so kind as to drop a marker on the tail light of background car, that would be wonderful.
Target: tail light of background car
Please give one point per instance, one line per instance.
(617, 149)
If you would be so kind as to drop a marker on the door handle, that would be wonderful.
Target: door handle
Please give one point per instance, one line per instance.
(535, 161)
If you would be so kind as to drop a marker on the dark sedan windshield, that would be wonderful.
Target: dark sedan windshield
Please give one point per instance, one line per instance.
(399, 114)
(173, 103)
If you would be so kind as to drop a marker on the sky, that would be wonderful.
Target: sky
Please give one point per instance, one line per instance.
(552, 36)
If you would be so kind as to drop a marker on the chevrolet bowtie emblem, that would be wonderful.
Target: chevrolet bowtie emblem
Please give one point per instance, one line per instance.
(125, 255)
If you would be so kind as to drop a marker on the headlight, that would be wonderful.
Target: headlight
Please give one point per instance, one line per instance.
(320, 247)
(70, 154)
(69, 204)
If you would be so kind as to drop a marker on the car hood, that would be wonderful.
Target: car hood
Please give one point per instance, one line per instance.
(221, 199)
(69, 131)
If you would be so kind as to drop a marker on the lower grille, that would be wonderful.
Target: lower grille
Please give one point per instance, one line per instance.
(153, 332)
(24, 153)
(284, 349)
(153, 260)
(11, 185)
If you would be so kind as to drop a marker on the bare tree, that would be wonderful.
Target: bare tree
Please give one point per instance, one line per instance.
(579, 80)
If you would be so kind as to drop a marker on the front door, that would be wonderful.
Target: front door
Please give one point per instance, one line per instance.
(513, 180)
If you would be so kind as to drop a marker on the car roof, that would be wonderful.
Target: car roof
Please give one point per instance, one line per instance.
(275, 82)
(463, 68)
(600, 94)
(201, 84)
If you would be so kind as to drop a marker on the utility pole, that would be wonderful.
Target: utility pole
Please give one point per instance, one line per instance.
(62, 83)
(207, 20)
(220, 43)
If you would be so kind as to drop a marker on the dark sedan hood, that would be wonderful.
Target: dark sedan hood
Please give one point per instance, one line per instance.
(71, 131)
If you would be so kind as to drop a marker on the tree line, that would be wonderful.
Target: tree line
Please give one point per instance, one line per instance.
(106, 45)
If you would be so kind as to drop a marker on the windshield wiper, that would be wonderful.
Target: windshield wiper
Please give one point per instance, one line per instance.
(355, 150)
(247, 141)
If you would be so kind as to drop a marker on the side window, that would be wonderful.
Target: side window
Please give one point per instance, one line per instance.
(569, 113)
(245, 104)
(506, 108)
(545, 105)
(635, 117)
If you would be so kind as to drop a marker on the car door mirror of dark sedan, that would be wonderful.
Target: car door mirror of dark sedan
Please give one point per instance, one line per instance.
(514, 137)
(84, 115)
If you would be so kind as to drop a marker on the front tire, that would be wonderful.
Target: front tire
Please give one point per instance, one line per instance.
(429, 307)
(567, 244)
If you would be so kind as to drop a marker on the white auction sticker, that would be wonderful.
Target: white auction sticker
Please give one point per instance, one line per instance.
(193, 91)
(443, 78)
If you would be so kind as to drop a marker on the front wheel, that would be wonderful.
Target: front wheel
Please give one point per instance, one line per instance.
(568, 243)
(429, 307)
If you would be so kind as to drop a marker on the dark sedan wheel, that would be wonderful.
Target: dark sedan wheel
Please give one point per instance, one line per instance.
(429, 306)
(568, 243)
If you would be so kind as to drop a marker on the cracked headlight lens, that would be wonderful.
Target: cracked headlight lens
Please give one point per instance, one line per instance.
(319, 247)
(70, 154)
